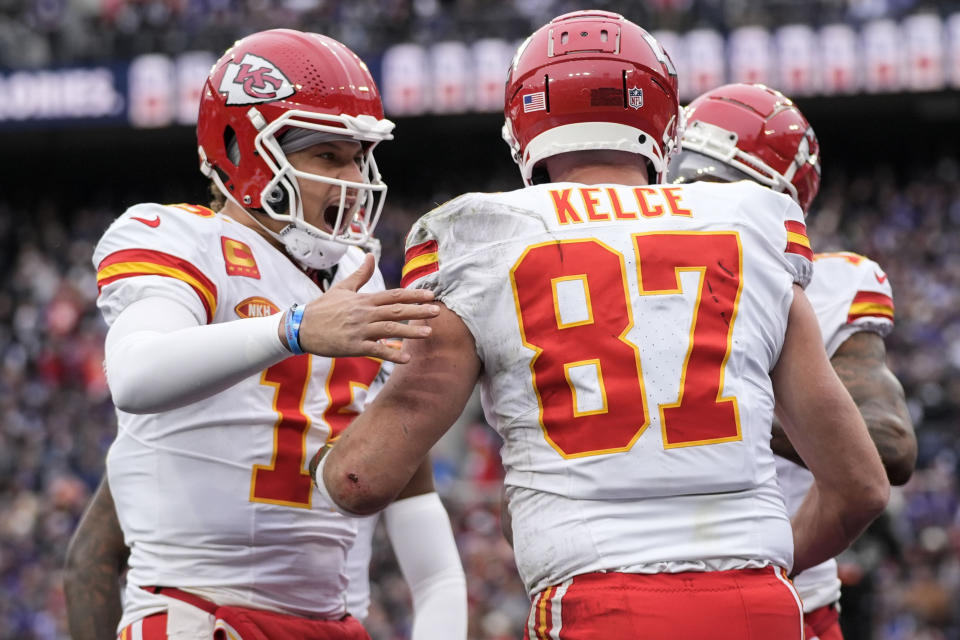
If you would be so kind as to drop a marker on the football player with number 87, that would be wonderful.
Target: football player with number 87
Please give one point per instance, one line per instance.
(632, 340)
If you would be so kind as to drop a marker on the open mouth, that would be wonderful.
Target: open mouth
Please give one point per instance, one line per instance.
(332, 210)
(330, 217)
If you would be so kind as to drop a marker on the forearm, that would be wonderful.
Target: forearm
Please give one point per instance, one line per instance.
(93, 602)
(379, 452)
(156, 365)
(845, 497)
(832, 516)
(860, 363)
(828, 432)
(376, 457)
(821, 530)
(95, 560)
(423, 541)
(895, 442)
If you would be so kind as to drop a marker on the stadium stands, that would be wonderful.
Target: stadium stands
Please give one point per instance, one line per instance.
(65, 184)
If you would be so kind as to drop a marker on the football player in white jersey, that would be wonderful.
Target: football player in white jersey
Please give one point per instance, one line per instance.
(628, 338)
(242, 338)
(751, 132)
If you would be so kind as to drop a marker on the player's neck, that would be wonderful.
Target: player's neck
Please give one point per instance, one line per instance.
(602, 166)
(246, 219)
(603, 174)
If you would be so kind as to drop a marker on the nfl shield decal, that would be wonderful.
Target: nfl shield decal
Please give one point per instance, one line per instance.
(254, 80)
(635, 97)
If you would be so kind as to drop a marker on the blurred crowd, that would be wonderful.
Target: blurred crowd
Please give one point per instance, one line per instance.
(43, 33)
(56, 420)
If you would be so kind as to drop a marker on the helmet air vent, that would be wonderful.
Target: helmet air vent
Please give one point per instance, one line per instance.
(600, 36)
(230, 144)
(623, 75)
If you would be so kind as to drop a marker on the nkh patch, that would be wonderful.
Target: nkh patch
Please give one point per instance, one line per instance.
(256, 307)
(635, 97)
(535, 102)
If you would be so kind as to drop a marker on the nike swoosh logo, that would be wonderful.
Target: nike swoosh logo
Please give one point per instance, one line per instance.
(150, 223)
(881, 277)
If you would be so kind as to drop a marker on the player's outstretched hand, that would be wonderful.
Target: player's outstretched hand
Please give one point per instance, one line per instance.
(343, 322)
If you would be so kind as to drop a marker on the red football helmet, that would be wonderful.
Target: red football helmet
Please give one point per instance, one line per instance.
(279, 91)
(591, 80)
(758, 134)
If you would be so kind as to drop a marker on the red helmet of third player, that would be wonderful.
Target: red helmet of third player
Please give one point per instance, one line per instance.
(756, 133)
(591, 80)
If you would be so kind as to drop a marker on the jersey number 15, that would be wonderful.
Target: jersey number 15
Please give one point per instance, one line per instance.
(286, 481)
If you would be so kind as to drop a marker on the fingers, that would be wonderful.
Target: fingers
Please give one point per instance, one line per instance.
(388, 353)
(392, 330)
(358, 278)
(403, 312)
(343, 322)
(400, 296)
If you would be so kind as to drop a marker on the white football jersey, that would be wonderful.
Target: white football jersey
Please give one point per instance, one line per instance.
(358, 568)
(215, 497)
(849, 293)
(592, 308)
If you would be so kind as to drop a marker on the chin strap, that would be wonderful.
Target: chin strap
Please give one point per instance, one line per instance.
(309, 250)
(301, 245)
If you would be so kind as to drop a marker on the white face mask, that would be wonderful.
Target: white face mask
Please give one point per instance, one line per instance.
(351, 227)
(310, 250)
(308, 245)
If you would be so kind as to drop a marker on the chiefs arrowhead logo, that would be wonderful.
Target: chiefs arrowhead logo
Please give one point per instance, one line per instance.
(880, 276)
(254, 80)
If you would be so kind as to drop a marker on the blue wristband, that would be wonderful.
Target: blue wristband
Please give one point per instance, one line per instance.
(291, 327)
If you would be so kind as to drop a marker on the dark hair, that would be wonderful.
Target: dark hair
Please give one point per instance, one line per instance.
(217, 199)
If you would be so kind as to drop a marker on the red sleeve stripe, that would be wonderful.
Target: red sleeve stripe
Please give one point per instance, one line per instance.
(797, 241)
(873, 296)
(799, 249)
(143, 262)
(870, 304)
(413, 275)
(795, 226)
(430, 246)
(419, 260)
